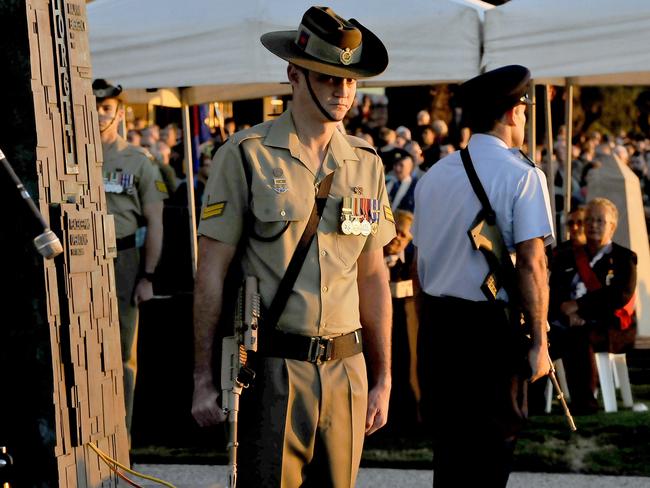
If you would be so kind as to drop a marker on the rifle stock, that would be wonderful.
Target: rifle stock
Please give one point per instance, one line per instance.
(561, 398)
(487, 238)
(236, 374)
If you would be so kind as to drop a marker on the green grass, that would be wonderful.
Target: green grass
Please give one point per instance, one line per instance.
(605, 443)
(178, 455)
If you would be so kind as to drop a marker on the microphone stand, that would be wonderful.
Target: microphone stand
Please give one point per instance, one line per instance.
(46, 243)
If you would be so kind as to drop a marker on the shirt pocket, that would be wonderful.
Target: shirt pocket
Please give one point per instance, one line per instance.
(273, 213)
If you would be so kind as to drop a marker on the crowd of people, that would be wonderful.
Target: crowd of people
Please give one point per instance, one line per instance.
(592, 149)
(413, 149)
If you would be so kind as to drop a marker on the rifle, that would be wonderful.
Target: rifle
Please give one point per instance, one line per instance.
(560, 397)
(236, 374)
(485, 236)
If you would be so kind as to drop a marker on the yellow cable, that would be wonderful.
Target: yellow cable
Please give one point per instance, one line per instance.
(107, 458)
(114, 469)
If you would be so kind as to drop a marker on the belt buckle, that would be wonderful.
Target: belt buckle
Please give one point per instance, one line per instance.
(320, 350)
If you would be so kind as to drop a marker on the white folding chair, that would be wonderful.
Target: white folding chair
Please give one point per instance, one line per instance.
(613, 374)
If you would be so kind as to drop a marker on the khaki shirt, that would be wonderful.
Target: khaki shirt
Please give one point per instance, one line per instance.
(325, 299)
(131, 180)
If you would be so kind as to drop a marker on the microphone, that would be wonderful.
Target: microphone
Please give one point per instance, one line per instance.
(47, 243)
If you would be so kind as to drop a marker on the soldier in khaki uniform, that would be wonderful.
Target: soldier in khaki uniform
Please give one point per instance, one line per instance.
(134, 195)
(304, 421)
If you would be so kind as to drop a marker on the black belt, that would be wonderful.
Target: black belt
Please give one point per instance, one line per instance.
(125, 243)
(313, 349)
(463, 303)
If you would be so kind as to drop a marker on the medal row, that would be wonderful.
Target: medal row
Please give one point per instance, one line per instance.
(359, 216)
(119, 182)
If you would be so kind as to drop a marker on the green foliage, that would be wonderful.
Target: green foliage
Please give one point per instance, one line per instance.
(618, 111)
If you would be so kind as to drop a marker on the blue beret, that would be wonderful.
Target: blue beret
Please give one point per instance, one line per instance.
(395, 155)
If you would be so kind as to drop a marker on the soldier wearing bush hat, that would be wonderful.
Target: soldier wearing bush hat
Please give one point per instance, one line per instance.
(304, 421)
(103, 89)
(472, 343)
(134, 193)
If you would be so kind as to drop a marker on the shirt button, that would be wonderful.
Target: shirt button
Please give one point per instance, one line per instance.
(283, 213)
(324, 289)
(323, 252)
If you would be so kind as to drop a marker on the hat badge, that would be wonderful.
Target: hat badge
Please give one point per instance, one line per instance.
(346, 56)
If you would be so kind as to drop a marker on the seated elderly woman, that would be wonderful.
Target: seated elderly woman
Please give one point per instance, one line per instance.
(592, 302)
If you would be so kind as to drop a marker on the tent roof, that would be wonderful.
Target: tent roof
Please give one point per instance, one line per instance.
(213, 46)
(588, 41)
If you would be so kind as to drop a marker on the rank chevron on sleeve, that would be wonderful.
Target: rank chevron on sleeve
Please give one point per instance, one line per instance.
(213, 210)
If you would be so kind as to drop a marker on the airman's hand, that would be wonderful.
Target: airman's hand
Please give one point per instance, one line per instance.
(538, 359)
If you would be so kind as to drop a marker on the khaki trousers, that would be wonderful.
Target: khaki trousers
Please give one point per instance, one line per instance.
(303, 425)
(127, 266)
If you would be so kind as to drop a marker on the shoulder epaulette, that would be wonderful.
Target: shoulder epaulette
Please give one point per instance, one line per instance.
(256, 132)
(527, 159)
(355, 141)
(141, 150)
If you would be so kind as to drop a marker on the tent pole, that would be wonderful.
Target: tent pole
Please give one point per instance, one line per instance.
(568, 124)
(550, 167)
(189, 178)
(532, 125)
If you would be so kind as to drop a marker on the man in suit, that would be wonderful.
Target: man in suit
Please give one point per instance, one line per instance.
(401, 182)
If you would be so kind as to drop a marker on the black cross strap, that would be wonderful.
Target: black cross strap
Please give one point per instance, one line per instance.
(488, 211)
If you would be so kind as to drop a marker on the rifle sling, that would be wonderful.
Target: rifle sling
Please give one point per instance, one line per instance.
(489, 214)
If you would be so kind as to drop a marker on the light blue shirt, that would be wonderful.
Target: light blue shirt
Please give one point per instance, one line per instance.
(446, 206)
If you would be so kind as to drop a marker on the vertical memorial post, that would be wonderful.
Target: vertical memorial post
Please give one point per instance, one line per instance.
(59, 340)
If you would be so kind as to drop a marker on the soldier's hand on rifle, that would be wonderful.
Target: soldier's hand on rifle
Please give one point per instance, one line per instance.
(539, 362)
(143, 291)
(205, 409)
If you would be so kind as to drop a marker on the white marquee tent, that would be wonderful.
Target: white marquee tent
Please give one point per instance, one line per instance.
(593, 42)
(212, 47)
